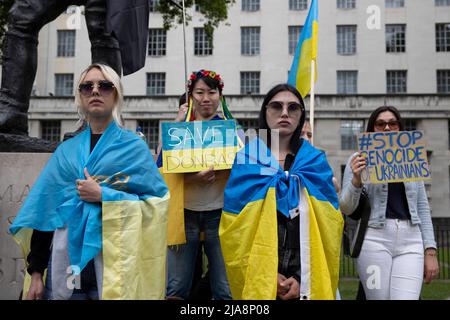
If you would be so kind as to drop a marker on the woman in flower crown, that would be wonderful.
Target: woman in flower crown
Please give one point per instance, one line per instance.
(203, 199)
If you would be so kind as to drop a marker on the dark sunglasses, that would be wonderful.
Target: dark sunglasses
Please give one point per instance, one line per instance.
(276, 108)
(381, 124)
(105, 88)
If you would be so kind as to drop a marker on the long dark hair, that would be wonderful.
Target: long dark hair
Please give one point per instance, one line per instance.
(373, 117)
(295, 139)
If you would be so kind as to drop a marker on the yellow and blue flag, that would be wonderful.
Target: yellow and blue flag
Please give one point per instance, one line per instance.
(305, 52)
(256, 190)
(129, 226)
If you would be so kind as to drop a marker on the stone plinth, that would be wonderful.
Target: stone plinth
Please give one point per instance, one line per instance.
(18, 171)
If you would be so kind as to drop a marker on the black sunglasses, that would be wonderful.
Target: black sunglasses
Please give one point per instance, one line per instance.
(381, 124)
(276, 108)
(105, 88)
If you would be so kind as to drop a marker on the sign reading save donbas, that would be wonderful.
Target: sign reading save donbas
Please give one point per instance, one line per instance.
(198, 145)
(394, 156)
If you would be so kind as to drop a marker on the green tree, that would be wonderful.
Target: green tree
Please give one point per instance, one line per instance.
(214, 12)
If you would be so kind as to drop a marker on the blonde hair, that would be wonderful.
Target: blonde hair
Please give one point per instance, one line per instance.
(109, 75)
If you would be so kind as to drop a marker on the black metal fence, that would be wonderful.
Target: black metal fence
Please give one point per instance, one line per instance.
(442, 236)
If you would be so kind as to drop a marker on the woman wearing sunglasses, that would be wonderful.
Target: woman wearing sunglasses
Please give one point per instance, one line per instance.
(262, 208)
(103, 201)
(399, 248)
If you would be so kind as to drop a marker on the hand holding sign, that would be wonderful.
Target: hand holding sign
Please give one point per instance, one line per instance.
(358, 164)
(202, 177)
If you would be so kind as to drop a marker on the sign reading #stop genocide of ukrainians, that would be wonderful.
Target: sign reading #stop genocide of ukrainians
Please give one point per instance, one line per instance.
(198, 145)
(394, 156)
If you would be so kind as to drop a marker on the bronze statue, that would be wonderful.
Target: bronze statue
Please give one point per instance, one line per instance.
(117, 32)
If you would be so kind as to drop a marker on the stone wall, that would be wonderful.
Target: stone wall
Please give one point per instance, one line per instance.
(18, 171)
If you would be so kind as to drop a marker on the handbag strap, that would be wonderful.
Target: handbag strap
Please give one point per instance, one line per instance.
(363, 224)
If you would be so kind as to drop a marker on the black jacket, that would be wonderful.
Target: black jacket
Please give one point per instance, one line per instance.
(127, 21)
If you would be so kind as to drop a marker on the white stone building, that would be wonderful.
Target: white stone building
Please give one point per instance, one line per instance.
(371, 52)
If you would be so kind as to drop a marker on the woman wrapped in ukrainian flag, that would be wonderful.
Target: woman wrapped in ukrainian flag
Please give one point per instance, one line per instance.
(281, 225)
(102, 204)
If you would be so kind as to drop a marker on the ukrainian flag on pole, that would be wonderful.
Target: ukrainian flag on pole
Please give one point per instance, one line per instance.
(305, 53)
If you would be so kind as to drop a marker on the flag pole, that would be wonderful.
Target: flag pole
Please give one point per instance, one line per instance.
(311, 100)
(185, 55)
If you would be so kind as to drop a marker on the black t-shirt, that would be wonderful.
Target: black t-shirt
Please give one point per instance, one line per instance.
(41, 240)
(397, 204)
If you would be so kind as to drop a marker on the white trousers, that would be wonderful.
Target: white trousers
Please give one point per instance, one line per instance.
(390, 265)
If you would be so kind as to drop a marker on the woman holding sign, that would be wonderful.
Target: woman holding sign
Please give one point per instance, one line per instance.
(399, 249)
(202, 202)
(281, 211)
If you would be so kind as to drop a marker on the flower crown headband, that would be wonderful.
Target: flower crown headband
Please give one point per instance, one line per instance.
(203, 74)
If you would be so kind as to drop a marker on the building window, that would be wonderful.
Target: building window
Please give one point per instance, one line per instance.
(349, 133)
(443, 81)
(441, 3)
(250, 5)
(66, 43)
(395, 3)
(153, 4)
(202, 45)
(346, 40)
(157, 39)
(410, 124)
(347, 82)
(396, 81)
(294, 35)
(442, 37)
(250, 40)
(298, 5)
(250, 82)
(64, 84)
(395, 38)
(150, 128)
(346, 4)
(156, 83)
(51, 130)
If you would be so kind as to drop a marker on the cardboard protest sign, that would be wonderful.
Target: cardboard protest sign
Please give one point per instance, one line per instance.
(198, 145)
(394, 156)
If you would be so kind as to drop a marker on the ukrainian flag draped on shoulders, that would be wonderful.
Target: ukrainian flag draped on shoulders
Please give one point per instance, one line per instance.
(256, 190)
(305, 52)
(128, 227)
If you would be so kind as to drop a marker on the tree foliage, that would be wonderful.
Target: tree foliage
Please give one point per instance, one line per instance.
(214, 12)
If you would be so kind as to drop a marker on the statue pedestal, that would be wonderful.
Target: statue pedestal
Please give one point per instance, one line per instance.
(18, 172)
(19, 143)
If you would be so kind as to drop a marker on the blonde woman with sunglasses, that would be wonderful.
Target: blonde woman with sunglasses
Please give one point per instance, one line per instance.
(102, 203)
